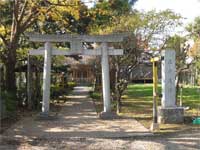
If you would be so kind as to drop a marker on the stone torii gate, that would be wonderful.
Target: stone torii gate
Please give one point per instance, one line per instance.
(76, 48)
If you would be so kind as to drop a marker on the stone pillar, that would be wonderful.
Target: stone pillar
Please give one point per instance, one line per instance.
(105, 78)
(169, 112)
(106, 114)
(168, 79)
(46, 79)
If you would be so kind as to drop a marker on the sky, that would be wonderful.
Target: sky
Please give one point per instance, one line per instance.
(189, 9)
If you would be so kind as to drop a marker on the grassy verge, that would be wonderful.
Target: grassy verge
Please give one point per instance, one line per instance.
(137, 103)
(97, 99)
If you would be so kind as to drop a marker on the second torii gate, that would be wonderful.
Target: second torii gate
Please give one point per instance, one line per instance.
(76, 48)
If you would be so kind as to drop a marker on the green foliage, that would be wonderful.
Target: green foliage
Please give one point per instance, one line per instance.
(71, 84)
(194, 28)
(152, 28)
(197, 67)
(177, 43)
(64, 17)
(106, 12)
(95, 95)
(56, 91)
(10, 102)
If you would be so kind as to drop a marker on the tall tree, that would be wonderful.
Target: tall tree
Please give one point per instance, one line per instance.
(194, 28)
(148, 30)
(194, 33)
(105, 11)
(18, 16)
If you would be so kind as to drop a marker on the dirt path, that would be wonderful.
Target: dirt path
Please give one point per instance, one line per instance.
(78, 127)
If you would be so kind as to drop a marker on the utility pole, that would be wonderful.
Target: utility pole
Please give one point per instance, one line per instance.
(155, 125)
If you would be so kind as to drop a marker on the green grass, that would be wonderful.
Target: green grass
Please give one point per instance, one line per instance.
(137, 103)
(191, 98)
(95, 95)
(97, 98)
(138, 99)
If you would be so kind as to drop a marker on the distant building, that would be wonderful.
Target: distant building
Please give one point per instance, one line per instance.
(143, 73)
(81, 71)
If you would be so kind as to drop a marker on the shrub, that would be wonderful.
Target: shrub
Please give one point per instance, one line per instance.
(10, 102)
(71, 84)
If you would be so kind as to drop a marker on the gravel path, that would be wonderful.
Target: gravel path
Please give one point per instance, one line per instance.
(181, 141)
(78, 127)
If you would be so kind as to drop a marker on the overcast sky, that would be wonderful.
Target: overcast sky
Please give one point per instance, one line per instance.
(189, 9)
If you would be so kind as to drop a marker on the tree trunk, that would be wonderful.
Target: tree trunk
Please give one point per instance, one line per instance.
(118, 104)
(10, 63)
(177, 86)
(10, 76)
(2, 80)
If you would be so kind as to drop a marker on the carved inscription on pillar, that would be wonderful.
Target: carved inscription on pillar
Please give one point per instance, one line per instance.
(168, 79)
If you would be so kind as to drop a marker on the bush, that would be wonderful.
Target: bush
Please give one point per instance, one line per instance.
(56, 91)
(95, 95)
(10, 102)
(71, 84)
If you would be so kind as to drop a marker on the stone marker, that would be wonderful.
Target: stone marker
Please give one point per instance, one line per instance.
(169, 112)
(168, 79)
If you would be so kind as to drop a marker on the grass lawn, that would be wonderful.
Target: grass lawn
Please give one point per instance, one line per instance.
(137, 103)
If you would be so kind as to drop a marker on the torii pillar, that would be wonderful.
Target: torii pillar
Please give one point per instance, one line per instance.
(105, 78)
(46, 79)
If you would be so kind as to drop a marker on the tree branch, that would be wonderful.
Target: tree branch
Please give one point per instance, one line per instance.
(16, 10)
(23, 11)
(28, 24)
(29, 19)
